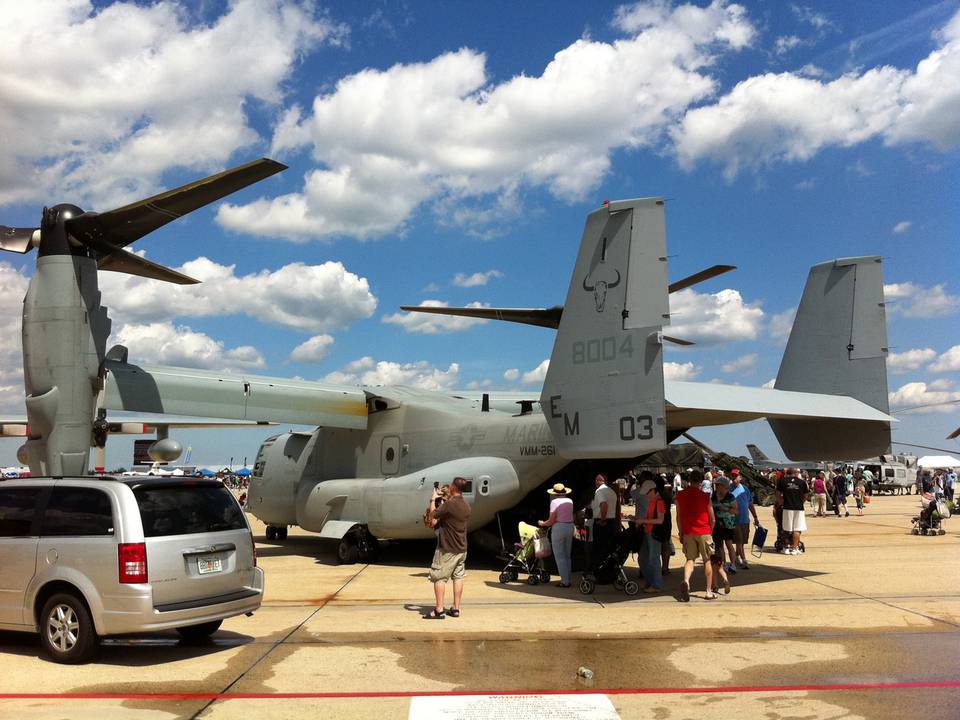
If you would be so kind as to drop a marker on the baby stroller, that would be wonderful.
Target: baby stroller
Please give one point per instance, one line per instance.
(524, 559)
(931, 517)
(609, 569)
(783, 538)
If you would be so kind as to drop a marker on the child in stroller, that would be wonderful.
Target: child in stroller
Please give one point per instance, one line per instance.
(609, 568)
(931, 517)
(524, 559)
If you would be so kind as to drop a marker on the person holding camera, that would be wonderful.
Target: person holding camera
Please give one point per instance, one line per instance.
(449, 559)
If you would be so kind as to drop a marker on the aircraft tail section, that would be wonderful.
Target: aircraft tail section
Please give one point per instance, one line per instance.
(838, 346)
(758, 455)
(603, 395)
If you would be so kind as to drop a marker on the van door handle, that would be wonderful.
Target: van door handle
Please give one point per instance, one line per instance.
(208, 549)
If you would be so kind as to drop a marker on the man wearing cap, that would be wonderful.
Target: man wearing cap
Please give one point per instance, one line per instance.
(561, 520)
(792, 493)
(745, 508)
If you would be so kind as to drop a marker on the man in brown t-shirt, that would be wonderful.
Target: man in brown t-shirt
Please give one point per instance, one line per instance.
(451, 554)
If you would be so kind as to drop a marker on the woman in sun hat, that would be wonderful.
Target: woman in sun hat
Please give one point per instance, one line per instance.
(561, 520)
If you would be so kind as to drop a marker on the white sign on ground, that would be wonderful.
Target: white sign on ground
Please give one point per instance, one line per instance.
(512, 707)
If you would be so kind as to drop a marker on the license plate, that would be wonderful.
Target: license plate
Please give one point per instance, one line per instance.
(209, 565)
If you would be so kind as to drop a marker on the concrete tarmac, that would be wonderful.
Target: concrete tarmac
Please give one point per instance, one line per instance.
(866, 625)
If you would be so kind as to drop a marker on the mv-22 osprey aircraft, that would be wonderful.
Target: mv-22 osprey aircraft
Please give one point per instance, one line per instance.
(368, 469)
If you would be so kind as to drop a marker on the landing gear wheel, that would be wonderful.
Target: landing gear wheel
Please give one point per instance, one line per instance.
(619, 583)
(66, 630)
(197, 633)
(941, 531)
(347, 552)
(533, 579)
(271, 533)
(282, 533)
(586, 586)
(505, 577)
(544, 577)
(368, 548)
(632, 587)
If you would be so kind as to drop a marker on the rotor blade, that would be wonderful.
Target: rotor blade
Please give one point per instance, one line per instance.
(124, 225)
(126, 262)
(542, 317)
(710, 272)
(15, 239)
(677, 341)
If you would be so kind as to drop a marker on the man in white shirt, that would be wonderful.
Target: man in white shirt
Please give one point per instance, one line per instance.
(604, 525)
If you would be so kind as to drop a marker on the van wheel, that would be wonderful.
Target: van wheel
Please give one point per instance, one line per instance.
(194, 633)
(66, 630)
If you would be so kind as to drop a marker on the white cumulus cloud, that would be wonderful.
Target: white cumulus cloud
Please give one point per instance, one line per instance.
(511, 375)
(910, 359)
(915, 301)
(386, 140)
(709, 318)
(919, 397)
(431, 324)
(949, 361)
(744, 363)
(476, 279)
(99, 101)
(421, 374)
(537, 375)
(680, 371)
(901, 227)
(313, 350)
(167, 344)
(788, 117)
(312, 298)
(13, 286)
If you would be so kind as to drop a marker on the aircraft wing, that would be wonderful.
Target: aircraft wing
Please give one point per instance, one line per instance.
(16, 425)
(699, 404)
(211, 394)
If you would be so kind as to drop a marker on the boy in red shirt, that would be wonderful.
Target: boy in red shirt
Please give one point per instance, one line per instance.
(695, 519)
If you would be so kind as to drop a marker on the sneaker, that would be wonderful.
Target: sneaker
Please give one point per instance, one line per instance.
(743, 564)
(731, 569)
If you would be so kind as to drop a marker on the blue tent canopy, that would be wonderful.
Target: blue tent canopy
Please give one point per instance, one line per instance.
(243, 472)
(206, 473)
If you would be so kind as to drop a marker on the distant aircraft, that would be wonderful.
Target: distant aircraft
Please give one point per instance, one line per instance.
(762, 462)
(368, 469)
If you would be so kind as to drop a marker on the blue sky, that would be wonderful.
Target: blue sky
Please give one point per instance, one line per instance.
(449, 152)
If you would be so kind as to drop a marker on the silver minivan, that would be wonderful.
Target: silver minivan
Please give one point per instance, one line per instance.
(82, 558)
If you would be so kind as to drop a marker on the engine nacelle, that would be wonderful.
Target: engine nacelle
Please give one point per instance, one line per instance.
(393, 507)
(166, 450)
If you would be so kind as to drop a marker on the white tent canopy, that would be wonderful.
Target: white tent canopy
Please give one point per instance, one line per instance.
(938, 461)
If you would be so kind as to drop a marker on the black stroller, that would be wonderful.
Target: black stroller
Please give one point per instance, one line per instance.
(609, 569)
(524, 559)
(783, 538)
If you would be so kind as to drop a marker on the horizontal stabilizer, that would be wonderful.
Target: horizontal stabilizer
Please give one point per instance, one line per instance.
(543, 317)
(702, 276)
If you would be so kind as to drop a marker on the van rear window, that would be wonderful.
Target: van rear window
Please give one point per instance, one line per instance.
(183, 510)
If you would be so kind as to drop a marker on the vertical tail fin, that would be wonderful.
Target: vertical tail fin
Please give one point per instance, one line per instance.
(603, 395)
(838, 346)
(757, 455)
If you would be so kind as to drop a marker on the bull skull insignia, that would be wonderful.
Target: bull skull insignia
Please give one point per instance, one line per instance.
(599, 289)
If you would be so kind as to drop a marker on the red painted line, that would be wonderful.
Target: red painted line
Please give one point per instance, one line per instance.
(451, 693)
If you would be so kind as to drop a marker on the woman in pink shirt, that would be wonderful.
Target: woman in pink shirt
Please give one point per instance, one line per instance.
(820, 493)
(561, 537)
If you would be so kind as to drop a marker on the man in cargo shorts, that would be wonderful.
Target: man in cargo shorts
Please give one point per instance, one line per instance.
(695, 519)
(451, 553)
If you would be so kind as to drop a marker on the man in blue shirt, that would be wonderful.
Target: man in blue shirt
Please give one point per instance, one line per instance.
(745, 508)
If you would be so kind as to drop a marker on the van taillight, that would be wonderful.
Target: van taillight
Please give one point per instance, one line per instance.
(253, 544)
(133, 562)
